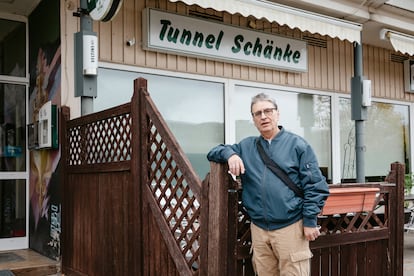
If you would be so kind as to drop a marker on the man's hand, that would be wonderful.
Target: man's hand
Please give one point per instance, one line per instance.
(311, 233)
(236, 165)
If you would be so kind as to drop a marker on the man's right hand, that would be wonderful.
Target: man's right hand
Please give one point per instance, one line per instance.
(236, 165)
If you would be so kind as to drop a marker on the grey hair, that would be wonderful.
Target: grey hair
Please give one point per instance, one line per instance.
(262, 97)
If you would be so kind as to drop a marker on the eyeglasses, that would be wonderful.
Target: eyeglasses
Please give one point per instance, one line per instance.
(267, 112)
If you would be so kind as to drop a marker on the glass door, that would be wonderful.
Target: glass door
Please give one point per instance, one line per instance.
(13, 150)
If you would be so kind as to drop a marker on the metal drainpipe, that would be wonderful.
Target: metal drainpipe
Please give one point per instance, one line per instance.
(356, 94)
(86, 24)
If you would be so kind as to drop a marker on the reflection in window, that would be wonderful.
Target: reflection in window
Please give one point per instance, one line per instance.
(386, 124)
(12, 208)
(12, 127)
(304, 114)
(13, 48)
(193, 109)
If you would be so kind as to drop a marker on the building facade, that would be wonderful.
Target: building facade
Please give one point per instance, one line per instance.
(204, 60)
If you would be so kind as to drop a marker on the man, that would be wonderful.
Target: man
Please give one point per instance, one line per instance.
(283, 223)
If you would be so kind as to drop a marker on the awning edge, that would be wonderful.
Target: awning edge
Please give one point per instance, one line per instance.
(284, 15)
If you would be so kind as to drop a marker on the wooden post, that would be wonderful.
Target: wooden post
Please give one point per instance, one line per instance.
(138, 171)
(398, 229)
(65, 236)
(396, 219)
(218, 221)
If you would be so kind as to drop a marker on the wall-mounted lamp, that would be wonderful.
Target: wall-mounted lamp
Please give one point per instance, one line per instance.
(131, 42)
(251, 24)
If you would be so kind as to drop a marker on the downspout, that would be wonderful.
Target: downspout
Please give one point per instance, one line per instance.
(86, 55)
(359, 113)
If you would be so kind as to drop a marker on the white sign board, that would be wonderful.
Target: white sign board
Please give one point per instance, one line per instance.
(168, 32)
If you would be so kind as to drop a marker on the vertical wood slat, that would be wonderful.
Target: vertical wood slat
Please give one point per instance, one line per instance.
(218, 221)
(105, 41)
(130, 17)
(205, 228)
(118, 44)
(396, 221)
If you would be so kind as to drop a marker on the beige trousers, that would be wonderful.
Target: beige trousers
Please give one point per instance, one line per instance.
(281, 252)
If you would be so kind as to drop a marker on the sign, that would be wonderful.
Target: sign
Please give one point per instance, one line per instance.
(167, 32)
(103, 10)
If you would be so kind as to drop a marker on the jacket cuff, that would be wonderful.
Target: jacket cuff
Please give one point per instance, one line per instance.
(309, 222)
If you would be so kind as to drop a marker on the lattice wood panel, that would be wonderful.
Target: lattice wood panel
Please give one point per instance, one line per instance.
(330, 225)
(175, 199)
(103, 141)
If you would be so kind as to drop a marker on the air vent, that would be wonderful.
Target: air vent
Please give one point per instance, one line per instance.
(205, 15)
(397, 58)
(315, 41)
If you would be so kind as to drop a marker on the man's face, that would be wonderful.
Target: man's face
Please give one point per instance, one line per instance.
(266, 118)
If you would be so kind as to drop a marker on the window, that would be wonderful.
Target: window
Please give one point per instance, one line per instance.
(193, 109)
(12, 48)
(387, 124)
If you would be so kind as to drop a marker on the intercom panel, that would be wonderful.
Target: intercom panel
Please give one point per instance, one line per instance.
(47, 126)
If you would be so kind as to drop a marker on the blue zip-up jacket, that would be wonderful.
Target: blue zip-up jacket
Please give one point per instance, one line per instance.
(270, 203)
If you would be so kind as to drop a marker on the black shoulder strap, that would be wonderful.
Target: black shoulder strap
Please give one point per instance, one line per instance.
(277, 170)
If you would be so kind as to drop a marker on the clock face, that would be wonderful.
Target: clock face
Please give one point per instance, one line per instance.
(103, 10)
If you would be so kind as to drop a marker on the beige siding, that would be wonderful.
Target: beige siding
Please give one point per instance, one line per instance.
(330, 68)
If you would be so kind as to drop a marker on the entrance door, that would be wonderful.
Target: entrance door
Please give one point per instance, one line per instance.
(13, 150)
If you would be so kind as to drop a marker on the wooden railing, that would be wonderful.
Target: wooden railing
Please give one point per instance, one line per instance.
(133, 205)
(361, 243)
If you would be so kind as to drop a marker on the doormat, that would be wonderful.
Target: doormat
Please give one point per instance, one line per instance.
(9, 257)
(6, 273)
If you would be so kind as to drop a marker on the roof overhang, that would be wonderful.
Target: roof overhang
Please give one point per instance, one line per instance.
(285, 15)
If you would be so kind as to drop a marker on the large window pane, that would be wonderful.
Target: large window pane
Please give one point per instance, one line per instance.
(12, 48)
(304, 114)
(12, 127)
(193, 109)
(386, 124)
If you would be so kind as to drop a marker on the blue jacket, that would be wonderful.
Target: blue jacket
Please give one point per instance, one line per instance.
(269, 202)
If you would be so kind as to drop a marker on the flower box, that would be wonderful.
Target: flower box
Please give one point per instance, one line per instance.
(350, 200)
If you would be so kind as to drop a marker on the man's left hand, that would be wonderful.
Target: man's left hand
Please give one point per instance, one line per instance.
(311, 233)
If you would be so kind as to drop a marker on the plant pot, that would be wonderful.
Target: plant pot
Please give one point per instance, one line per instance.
(350, 200)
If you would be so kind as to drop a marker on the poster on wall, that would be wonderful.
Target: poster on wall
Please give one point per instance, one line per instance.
(45, 86)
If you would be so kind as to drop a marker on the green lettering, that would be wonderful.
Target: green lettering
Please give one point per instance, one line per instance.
(220, 37)
(267, 52)
(165, 24)
(237, 43)
(288, 53)
(257, 50)
(210, 40)
(186, 37)
(246, 48)
(172, 35)
(198, 37)
(296, 57)
(278, 53)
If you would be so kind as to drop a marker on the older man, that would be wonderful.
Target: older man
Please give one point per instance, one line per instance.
(283, 221)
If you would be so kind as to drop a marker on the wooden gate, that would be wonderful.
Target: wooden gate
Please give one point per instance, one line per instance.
(133, 205)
